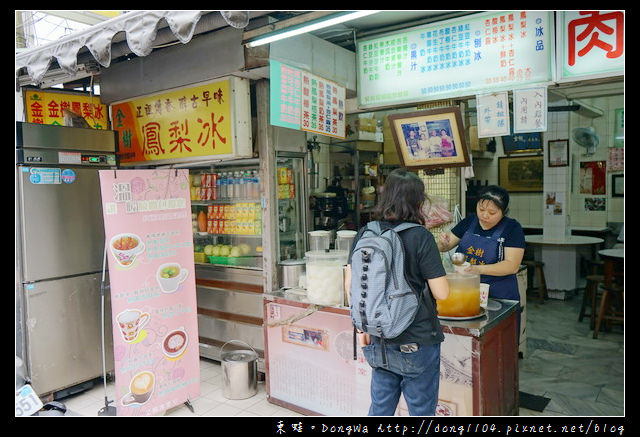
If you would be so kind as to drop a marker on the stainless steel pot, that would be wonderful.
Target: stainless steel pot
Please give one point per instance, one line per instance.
(290, 271)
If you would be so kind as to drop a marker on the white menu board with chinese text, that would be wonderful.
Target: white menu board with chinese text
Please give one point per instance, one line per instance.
(323, 106)
(530, 110)
(459, 57)
(301, 100)
(493, 114)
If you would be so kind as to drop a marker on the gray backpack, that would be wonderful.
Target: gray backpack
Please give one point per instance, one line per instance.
(383, 303)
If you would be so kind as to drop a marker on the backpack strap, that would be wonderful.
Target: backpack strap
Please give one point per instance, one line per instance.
(406, 225)
(375, 226)
(421, 295)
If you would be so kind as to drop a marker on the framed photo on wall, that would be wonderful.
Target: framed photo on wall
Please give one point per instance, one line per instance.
(617, 185)
(558, 153)
(430, 139)
(521, 174)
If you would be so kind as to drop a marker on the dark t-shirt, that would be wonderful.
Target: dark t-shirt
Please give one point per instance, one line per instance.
(513, 233)
(422, 262)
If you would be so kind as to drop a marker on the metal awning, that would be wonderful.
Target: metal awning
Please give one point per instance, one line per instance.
(140, 29)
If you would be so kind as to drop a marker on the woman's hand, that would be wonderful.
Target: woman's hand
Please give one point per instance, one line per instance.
(443, 242)
(472, 269)
(364, 339)
(446, 241)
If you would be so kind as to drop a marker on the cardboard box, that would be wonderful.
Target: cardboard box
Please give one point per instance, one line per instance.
(363, 127)
(389, 146)
(369, 146)
(477, 144)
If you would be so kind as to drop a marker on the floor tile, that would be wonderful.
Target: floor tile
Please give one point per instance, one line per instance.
(581, 375)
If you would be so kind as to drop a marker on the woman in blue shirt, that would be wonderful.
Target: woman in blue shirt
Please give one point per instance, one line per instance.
(492, 243)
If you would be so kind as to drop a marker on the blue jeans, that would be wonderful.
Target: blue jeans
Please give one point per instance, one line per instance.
(415, 374)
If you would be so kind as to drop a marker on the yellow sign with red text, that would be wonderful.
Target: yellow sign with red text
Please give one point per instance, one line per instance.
(47, 107)
(184, 123)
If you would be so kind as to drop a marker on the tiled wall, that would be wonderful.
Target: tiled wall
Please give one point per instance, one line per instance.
(556, 179)
(528, 209)
(604, 127)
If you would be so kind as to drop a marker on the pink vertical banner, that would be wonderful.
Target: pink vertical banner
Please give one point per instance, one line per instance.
(147, 220)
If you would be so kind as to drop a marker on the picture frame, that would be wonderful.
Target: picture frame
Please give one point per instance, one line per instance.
(530, 142)
(521, 174)
(617, 185)
(558, 153)
(430, 139)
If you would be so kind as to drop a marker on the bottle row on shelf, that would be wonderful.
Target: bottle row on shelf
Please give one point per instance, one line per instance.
(234, 227)
(242, 218)
(229, 185)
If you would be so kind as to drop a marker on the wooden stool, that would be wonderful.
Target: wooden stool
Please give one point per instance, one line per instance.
(542, 283)
(590, 295)
(606, 312)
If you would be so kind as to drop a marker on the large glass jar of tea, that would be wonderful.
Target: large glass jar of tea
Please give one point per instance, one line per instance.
(464, 296)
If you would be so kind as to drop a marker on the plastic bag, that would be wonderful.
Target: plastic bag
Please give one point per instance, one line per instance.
(436, 212)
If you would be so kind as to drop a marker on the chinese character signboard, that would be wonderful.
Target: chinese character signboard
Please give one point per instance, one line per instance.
(48, 107)
(591, 45)
(301, 100)
(147, 220)
(455, 58)
(493, 114)
(286, 82)
(530, 110)
(185, 124)
(323, 106)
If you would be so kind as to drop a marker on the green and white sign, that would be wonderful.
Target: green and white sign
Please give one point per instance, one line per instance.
(454, 58)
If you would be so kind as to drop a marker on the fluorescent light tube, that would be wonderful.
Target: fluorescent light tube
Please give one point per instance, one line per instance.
(309, 27)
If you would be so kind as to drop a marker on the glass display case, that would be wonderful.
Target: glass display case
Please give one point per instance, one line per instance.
(226, 216)
(292, 209)
(226, 212)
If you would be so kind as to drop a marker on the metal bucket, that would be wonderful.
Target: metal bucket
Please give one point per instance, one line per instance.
(239, 372)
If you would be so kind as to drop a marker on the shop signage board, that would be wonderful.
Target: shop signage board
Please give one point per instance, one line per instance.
(530, 110)
(493, 114)
(208, 120)
(323, 106)
(591, 44)
(303, 101)
(285, 82)
(147, 220)
(48, 107)
(454, 58)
